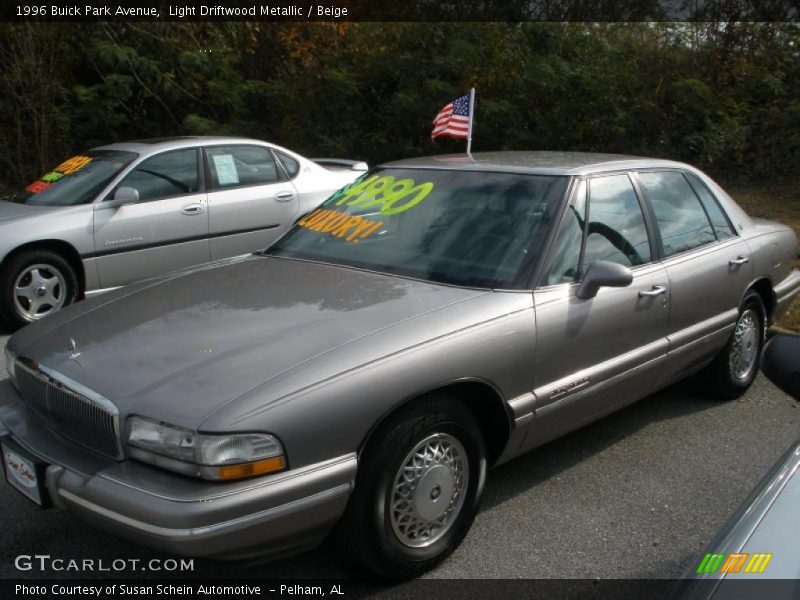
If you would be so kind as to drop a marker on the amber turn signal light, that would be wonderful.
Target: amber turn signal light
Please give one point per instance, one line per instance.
(259, 467)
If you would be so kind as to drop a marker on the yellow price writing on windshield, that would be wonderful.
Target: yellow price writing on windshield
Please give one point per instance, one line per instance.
(392, 195)
(73, 164)
(341, 225)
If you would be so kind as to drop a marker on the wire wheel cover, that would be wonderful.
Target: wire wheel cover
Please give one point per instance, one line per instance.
(429, 490)
(744, 349)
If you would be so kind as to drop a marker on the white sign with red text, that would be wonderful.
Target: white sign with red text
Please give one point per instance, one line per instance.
(21, 473)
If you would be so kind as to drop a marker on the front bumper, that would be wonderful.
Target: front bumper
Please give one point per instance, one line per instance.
(268, 516)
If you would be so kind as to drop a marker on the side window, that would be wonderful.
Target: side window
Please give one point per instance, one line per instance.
(681, 219)
(235, 166)
(615, 230)
(291, 165)
(164, 175)
(722, 226)
(566, 255)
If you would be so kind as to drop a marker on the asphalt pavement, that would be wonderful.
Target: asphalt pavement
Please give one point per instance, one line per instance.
(636, 495)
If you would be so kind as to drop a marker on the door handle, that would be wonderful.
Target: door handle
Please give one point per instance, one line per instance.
(656, 290)
(192, 209)
(284, 196)
(739, 260)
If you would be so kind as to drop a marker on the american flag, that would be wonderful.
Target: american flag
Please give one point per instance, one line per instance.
(453, 119)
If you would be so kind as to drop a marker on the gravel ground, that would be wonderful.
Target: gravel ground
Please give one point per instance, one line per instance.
(635, 495)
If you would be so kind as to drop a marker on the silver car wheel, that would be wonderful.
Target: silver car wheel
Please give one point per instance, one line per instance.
(429, 490)
(39, 290)
(744, 348)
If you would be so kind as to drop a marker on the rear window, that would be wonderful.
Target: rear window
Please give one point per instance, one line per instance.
(291, 166)
(681, 219)
(722, 226)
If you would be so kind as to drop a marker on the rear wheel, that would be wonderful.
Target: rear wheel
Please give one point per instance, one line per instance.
(34, 285)
(417, 491)
(735, 368)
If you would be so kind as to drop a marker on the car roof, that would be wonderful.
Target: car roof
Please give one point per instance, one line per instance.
(548, 163)
(148, 146)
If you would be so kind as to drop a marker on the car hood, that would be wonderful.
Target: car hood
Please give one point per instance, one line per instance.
(189, 344)
(12, 210)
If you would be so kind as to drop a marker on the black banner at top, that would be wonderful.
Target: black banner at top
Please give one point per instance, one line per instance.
(401, 10)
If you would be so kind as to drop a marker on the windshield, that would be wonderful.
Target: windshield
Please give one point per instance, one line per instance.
(77, 180)
(466, 228)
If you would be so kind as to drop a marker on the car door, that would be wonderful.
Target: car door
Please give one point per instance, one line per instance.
(165, 229)
(251, 204)
(707, 264)
(595, 355)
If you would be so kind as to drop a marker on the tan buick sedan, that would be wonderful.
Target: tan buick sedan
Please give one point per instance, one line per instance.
(434, 318)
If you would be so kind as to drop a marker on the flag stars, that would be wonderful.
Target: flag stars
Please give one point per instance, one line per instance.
(461, 106)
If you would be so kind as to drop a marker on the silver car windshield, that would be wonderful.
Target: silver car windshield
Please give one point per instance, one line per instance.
(476, 229)
(77, 180)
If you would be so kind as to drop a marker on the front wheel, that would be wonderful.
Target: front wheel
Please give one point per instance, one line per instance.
(34, 285)
(417, 491)
(735, 368)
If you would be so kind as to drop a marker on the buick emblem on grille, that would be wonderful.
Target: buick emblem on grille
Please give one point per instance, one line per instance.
(73, 349)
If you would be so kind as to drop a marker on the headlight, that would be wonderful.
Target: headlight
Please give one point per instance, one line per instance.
(210, 456)
(10, 359)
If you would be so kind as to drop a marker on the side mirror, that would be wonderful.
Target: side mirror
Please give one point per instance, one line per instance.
(603, 273)
(780, 362)
(126, 195)
(123, 196)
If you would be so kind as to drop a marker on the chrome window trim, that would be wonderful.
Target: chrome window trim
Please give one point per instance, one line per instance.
(689, 254)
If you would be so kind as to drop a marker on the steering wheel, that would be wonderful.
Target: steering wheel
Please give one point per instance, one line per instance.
(616, 239)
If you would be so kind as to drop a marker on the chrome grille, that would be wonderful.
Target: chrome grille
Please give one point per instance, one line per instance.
(90, 422)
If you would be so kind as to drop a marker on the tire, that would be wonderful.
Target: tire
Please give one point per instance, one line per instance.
(735, 368)
(58, 286)
(387, 542)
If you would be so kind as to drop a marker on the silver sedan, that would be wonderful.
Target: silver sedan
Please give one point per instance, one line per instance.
(760, 540)
(120, 213)
(434, 318)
